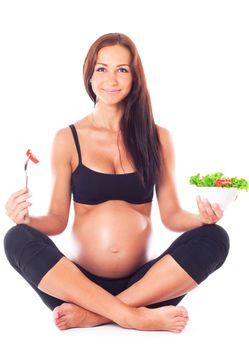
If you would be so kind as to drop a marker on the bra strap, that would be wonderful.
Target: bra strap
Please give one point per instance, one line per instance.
(76, 140)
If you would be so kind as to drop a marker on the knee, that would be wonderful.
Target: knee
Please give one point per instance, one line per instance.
(14, 241)
(209, 247)
(221, 242)
(222, 236)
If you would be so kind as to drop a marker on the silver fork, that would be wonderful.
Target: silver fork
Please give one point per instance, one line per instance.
(25, 169)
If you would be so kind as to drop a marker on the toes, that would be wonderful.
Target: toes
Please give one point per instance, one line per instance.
(184, 311)
(180, 319)
(178, 330)
(180, 323)
(62, 326)
(62, 319)
(56, 312)
(179, 327)
(60, 311)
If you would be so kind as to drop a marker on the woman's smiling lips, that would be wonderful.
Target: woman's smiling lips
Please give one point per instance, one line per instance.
(111, 91)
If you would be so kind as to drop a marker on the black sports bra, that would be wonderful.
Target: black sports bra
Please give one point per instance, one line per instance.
(92, 187)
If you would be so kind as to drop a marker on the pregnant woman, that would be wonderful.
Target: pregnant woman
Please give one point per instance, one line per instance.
(110, 162)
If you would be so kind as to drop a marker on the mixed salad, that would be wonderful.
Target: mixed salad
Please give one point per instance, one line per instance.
(219, 180)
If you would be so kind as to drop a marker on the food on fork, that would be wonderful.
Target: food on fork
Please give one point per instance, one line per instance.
(33, 158)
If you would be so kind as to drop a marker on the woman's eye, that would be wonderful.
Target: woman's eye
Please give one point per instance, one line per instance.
(102, 69)
(123, 70)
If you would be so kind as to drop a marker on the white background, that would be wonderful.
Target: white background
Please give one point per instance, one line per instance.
(195, 55)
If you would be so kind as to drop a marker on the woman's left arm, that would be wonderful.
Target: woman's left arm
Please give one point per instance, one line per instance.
(172, 215)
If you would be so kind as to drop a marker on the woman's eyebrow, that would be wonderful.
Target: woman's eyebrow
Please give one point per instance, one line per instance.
(119, 65)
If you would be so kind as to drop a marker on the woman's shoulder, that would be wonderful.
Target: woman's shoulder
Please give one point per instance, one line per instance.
(65, 134)
(163, 133)
(62, 135)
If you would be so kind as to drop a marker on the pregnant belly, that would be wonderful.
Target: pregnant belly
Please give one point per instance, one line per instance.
(111, 240)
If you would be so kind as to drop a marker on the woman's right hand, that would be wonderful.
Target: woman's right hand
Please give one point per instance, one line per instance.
(17, 207)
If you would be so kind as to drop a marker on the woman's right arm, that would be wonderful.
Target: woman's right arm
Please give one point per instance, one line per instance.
(55, 221)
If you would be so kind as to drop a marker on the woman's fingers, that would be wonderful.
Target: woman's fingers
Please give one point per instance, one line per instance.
(202, 209)
(209, 214)
(21, 216)
(14, 196)
(17, 205)
(23, 206)
(209, 210)
(16, 199)
(217, 209)
(20, 213)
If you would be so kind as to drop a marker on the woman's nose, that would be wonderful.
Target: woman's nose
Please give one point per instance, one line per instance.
(112, 79)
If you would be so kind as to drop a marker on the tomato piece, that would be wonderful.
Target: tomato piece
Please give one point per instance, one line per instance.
(222, 182)
(31, 156)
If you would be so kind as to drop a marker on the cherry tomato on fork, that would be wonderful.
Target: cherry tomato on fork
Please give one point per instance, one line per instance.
(31, 156)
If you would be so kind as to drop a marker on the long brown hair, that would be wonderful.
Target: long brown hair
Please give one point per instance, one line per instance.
(137, 125)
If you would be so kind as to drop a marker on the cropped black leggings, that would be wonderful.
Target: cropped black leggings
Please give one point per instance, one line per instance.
(199, 252)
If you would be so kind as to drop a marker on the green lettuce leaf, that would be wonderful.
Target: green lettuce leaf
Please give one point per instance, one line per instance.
(209, 180)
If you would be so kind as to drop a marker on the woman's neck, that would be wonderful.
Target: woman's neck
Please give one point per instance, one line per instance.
(107, 117)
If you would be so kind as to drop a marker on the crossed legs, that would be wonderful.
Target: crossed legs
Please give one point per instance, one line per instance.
(66, 282)
(151, 288)
(188, 261)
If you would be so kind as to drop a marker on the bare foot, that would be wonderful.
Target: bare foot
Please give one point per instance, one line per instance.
(72, 316)
(166, 318)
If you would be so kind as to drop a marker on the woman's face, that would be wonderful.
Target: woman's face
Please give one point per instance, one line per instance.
(112, 78)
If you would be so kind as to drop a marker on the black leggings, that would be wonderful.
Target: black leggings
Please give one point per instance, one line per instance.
(199, 252)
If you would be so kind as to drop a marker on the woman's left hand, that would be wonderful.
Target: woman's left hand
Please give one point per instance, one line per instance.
(209, 213)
